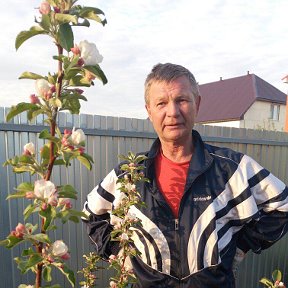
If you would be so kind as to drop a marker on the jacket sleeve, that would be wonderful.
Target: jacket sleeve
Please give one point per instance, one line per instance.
(270, 222)
(98, 207)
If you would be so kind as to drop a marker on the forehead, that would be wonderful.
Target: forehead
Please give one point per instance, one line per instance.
(176, 86)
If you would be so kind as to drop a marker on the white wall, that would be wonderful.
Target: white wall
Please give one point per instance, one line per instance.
(257, 117)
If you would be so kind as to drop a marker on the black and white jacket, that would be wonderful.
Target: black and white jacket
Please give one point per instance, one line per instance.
(230, 204)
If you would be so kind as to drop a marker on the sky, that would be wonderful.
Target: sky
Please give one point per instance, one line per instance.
(212, 38)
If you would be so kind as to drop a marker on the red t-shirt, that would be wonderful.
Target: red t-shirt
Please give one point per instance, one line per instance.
(171, 180)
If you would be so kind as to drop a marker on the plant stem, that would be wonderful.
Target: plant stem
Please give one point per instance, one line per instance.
(52, 159)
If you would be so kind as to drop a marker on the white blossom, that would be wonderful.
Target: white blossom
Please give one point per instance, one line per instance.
(90, 53)
(124, 237)
(29, 147)
(130, 187)
(131, 217)
(59, 248)
(42, 87)
(119, 197)
(44, 189)
(77, 136)
(114, 220)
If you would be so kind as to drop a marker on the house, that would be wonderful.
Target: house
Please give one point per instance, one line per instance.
(243, 102)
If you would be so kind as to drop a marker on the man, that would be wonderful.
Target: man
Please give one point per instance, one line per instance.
(205, 206)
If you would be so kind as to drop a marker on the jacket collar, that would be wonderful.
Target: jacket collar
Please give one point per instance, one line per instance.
(200, 162)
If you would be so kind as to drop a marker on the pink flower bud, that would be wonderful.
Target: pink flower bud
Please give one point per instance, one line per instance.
(29, 149)
(53, 89)
(65, 141)
(20, 230)
(89, 76)
(81, 150)
(48, 95)
(79, 91)
(34, 99)
(112, 258)
(56, 9)
(75, 50)
(53, 200)
(65, 202)
(30, 195)
(67, 132)
(65, 256)
(113, 284)
(50, 259)
(80, 62)
(44, 206)
(44, 8)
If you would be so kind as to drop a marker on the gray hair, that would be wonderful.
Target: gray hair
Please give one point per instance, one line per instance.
(169, 72)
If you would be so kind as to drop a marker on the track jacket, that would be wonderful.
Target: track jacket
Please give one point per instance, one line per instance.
(230, 204)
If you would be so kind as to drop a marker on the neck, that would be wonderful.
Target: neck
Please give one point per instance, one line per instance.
(177, 153)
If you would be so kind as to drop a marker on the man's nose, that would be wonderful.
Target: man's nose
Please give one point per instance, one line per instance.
(172, 109)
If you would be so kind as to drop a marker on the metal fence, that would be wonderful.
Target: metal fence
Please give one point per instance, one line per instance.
(107, 137)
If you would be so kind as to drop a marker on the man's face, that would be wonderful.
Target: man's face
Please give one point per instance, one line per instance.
(172, 109)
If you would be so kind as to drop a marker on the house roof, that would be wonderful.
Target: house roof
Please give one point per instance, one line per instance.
(229, 99)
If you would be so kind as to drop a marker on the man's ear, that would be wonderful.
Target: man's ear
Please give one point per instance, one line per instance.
(198, 101)
(148, 111)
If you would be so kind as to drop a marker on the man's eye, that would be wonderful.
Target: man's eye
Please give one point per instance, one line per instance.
(160, 104)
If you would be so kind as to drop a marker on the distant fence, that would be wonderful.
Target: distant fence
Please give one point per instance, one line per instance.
(107, 137)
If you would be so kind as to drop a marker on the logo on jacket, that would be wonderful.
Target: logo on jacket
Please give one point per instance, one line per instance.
(202, 198)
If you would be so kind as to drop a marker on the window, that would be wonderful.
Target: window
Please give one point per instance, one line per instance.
(274, 112)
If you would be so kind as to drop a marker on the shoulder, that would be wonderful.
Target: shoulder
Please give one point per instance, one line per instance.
(225, 154)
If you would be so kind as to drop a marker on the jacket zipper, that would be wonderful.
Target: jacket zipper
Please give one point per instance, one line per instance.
(177, 241)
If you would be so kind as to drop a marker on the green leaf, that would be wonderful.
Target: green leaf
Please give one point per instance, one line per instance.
(66, 37)
(31, 208)
(19, 108)
(276, 275)
(45, 152)
(30, 75)
(74, 219)
(79, 81)
(26, 159)
(266, 282)
(23, 169)
(77, 213)
(65, 18)
(13, 241)
(92, 13)
(20, 194)
(32, 113)
(59, 162)
(27, 252)
(55, 102)
(47, 274)
(85, 162)
(96, 70)
(44, 134)
(33, 260)
(25, 186)
(25, 35)
(40, 237)
(67, 191)
(73, 105)
(45, 22)
(48, 214)
(4, 242)
(69, 274)
(84, 23)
